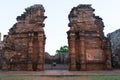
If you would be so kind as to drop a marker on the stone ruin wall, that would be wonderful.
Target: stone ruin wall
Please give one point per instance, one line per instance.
(89, 49)
(25, 42)
(114, 38)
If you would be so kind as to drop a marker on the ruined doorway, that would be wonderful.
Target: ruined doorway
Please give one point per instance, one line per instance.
(85, 38)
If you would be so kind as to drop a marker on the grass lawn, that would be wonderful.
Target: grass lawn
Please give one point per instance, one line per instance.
(60, 77)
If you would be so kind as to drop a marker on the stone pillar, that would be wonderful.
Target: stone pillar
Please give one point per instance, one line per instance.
(108, 56)
(72, 52)
(108, 62)
(77, 51)
(41, 52)
(82, 53)
(30, 51)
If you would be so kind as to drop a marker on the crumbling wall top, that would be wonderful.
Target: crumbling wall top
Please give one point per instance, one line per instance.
(31, 18)
(87, 6)
(37, 9)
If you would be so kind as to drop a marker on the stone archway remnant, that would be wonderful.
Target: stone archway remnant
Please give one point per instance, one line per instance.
(89, 49)
(25, 42)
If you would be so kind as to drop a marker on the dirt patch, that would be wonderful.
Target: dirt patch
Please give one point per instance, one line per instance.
(61, 78)
(84, 78)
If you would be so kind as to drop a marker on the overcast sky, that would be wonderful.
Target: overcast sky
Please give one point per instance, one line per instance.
(57, 12)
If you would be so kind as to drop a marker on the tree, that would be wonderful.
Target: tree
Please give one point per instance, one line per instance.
(63, 49)
(62, 53)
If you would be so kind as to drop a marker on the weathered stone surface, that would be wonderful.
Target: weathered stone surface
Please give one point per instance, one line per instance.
(89, 49)
(25, 42)
(48, 58)
(2, 58)
(114, 38)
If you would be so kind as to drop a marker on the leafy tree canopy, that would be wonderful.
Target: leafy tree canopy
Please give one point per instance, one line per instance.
(63, 49)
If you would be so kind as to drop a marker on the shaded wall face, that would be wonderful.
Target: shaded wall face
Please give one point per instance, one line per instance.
(114, 38)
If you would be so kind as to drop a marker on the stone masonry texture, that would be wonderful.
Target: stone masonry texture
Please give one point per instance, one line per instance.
(89, 49)
(25, 42)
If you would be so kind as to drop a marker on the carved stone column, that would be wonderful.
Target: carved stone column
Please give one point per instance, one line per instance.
(82, 53)
(72, 65)
(108, 63)
(108, 55)
(41, 52)
(30, 51)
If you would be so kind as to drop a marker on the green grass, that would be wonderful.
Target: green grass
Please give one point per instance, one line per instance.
(104, 77)
(16, 77)
(60, 77)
